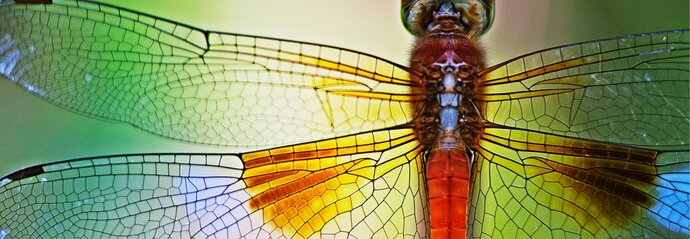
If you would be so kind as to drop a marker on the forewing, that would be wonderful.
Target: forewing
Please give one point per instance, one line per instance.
(528, 184)
(631, 90)
(365, 185)
(193, 85)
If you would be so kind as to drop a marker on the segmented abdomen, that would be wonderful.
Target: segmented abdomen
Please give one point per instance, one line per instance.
(447, 176)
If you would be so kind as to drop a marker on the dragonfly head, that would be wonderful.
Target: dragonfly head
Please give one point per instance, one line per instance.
(474, 16)
(446, 21)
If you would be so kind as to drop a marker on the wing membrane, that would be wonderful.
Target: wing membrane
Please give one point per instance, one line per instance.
(364, 185)
(616, 90)
(586, 140)
(377, 181)
(194, 85)
(530, 184)
(123, 196)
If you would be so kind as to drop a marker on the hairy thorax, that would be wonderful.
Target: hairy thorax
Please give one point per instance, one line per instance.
(444, 65)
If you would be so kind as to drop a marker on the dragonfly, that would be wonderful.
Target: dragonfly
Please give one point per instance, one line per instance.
(364, 180)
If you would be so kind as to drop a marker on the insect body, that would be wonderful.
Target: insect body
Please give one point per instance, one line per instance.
(444, 64)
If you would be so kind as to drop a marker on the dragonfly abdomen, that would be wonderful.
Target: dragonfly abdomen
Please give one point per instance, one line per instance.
(447, 175)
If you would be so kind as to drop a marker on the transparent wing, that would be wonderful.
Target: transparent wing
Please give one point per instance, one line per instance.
(528, 184)
(365, 185)
(631, 90)
(193, 85)
(588, 140)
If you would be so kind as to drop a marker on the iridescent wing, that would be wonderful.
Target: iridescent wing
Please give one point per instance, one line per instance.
(188, 84)
(213, 88)
(586, 140)
(615, 90)
(364, 185)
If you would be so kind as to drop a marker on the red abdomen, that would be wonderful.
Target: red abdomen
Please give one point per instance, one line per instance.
(447, 177)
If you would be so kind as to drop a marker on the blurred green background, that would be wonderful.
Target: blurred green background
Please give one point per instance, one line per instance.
(34, 132)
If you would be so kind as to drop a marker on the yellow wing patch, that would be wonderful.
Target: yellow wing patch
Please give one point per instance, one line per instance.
(299, 188)
(541, 185)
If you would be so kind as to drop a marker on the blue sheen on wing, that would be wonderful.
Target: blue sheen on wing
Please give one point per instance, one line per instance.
(673, 193)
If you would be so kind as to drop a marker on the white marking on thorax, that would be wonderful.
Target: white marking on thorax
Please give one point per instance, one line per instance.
(449, 99)
(449, 95)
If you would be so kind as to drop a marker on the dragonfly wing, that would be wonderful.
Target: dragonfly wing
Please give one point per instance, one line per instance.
(364, 185)
(193, 85)
(586, 140)
(631, 90)
(529, 184)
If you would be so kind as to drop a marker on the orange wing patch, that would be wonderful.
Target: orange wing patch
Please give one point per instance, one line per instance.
(298, 189)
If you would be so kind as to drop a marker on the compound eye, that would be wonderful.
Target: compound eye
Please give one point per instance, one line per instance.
(476, 15)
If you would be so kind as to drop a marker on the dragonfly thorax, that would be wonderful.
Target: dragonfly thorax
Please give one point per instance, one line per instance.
(444, 65)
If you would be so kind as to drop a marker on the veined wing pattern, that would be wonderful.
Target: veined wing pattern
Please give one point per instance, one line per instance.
(568, 130)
